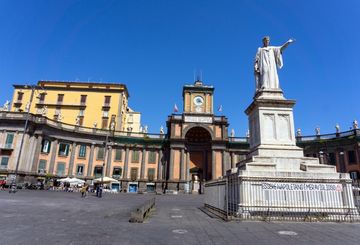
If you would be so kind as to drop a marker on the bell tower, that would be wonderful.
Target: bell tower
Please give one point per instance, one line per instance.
(198, 99)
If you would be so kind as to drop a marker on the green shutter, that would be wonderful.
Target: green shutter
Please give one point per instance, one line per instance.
(100, 154)
(61, 168)
(118, 154)
(9, 139)
(4, 161)
(82, 151)
(48, 149)
(152, 157)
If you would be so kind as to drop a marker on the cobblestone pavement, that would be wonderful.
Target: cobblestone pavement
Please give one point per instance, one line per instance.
(44, 217)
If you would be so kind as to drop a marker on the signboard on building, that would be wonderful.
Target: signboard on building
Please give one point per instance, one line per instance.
(196, 119)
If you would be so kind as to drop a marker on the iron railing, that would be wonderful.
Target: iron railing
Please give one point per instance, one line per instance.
(283, 199)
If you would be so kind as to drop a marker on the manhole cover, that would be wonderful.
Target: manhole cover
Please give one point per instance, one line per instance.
(179, 231)
(287, 233)
(176, 216)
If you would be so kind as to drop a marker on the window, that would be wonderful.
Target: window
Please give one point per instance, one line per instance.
(133, 173)
(42, 167)
(80, 170)
(9, 141)
(64, 149)
(42, 97)
(135, 156)
(107, 100)
(101, 153)
(351, 157)
(332, 159)
(81, 113)
(104, 123)
(20, 96)
(83, 99)
(117, 172)
(98, 171)
(118, 154)
(82, 151)
(354, 175)
(152, 157)
(151, 174)
(105, 114)
(131, 118)
(4, 162)
(45, 146)
(60, 98)
(60, 168)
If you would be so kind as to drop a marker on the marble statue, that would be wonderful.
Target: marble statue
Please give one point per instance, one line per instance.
(59, 117)
(248, 133)
(6, 106)
(161, 130)
(317, 130)
(44, 111)
(337, 127)
(355, 124)
(232, 133)
(112, 125)
(27, 107)
(77, 121)
(298, 132)
(129, 129)
(95, 124)
(267, 60)
(145, 129)
(141, 129)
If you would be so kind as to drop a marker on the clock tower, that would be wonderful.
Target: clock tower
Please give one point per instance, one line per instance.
(197, 141)
(198, 98)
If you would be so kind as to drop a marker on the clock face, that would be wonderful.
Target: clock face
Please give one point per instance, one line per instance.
(198, 100)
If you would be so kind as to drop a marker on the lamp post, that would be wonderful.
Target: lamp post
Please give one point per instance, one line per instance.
(13, 182)
(111, 129)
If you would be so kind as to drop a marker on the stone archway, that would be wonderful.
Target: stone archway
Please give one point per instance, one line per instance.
(198, 147)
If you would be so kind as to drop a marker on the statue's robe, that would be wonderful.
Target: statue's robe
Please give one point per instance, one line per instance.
(266, 61)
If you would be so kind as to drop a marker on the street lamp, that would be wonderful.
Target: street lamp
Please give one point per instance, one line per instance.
(111, 129)
(13, 182)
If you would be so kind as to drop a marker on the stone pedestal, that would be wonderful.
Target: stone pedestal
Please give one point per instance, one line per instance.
(272, 137)
(276, 173)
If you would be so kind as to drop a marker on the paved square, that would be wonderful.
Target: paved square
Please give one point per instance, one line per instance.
(43, 217)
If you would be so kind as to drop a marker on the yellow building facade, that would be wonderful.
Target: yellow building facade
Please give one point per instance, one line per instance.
(86, 104)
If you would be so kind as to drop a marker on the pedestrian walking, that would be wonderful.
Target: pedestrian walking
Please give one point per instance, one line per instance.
(97, 190)
(100, 191)
(84, 190)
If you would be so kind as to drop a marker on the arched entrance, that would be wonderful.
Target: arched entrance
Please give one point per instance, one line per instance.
(198, 146)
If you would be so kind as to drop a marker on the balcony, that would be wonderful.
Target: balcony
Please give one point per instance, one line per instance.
(41, 171)
(60, 104)
(106, 106)
(116, 176)
(18, 103)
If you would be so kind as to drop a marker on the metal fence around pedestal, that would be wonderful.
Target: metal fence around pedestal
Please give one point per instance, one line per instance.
(241, 198)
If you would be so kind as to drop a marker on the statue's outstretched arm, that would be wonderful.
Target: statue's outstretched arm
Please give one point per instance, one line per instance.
(285, 45)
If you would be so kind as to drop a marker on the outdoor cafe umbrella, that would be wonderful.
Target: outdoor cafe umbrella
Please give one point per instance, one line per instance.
(72, 180)
(106, 180)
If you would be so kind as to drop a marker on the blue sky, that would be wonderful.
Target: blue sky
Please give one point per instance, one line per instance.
(154, 47)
